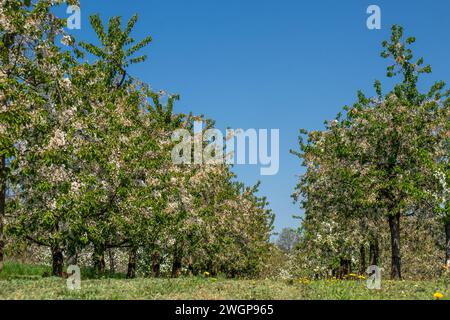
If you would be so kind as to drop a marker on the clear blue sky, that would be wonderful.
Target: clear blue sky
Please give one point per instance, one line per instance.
(273, 64)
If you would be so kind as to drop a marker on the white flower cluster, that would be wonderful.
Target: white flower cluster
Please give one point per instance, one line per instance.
(66, 40)
(4, 22)
(58, 140)
(443, 196)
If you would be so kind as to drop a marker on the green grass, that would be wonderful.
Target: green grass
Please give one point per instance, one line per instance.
(17, 270)
(26, 282)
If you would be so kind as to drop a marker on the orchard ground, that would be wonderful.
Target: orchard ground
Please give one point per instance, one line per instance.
(19, 281)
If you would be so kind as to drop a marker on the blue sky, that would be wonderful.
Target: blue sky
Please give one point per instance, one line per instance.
(273, 64)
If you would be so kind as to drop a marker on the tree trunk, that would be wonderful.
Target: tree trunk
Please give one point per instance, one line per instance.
(99, 260)
(362, 264)
(7, 40)
(57, 261)
(191, 270)
(396, 263)
(345, 268)
(156, 266)
(374, 252)
(2, 207)
(176, 265)
(131, 273)
(447, 233)
(112, 262)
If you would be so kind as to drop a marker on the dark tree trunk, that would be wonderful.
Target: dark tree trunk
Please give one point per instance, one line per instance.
(447, 233)
(131, 273)
(345, 268)
(362, 254)
(191, 270)
(374, 252)
(7, 40)
(156, 265)
(2, 207)
(209, 266)
(112, 262)
(396, 263)
(176, 265)
(57, 262)
(99, 260)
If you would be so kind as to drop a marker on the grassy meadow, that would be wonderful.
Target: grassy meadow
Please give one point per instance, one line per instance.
(19, 281)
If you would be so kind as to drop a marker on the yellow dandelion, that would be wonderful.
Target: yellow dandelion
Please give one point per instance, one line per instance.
(438, 295)
(206, 274)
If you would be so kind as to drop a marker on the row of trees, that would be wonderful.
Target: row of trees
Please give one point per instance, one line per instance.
(85, 163)
(383, 160)
(86, 157)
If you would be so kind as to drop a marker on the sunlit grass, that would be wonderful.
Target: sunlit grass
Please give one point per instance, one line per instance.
(26, 282)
